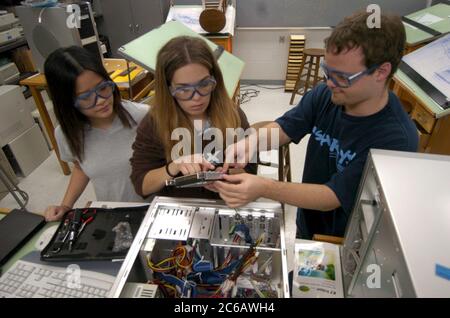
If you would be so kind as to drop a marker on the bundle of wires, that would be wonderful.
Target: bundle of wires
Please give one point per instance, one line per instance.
(187, 274)
(244, 262)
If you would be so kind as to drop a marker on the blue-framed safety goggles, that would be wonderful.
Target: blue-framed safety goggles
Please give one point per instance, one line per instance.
(186, 92)
(343, 79)
(89, 99)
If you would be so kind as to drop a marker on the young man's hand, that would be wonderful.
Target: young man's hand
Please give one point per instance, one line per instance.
(211, 186)
(239, 154)
(241, 189)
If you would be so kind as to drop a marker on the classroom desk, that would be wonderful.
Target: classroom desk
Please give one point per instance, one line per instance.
(30, 245)
(189, 15)
(416, 38)
(433, 122)
(226, 41)
(144, 51)
(37, 83)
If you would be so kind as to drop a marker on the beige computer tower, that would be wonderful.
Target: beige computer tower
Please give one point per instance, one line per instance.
(27, 151)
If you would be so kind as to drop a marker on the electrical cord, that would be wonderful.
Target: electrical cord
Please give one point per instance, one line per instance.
(261, 86)
(247, 94)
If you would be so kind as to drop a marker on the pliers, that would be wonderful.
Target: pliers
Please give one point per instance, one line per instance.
(83, 225)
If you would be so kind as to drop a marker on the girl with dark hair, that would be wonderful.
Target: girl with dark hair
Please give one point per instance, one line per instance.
(96, 128)
(188, 87)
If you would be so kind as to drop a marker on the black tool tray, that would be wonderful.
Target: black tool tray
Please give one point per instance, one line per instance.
(97, 240)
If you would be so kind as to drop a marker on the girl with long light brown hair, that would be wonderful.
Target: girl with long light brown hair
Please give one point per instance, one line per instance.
(189, 87)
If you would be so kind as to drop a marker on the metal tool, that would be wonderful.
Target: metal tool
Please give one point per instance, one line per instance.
(74, 226)
(85, 222)
(62, 237)
(195, 180)
(59, 247)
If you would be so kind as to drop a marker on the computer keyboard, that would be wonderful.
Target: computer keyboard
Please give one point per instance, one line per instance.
(31, 280)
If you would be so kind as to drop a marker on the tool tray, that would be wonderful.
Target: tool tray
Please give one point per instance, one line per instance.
(106, 237)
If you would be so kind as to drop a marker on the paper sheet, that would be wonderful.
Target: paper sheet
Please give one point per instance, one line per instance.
(427, 19)
(432, 62)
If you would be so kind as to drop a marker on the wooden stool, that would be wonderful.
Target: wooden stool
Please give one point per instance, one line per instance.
(212, 18)
(311, 63)
(284, 164)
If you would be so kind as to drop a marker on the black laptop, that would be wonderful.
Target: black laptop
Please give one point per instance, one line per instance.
(16, 228)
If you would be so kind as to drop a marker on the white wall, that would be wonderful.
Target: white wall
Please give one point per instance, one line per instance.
(265, 50)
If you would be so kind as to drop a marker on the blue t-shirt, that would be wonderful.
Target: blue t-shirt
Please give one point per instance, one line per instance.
(338, 148)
